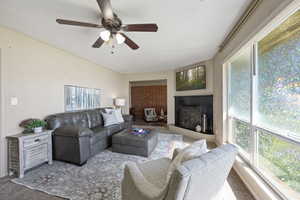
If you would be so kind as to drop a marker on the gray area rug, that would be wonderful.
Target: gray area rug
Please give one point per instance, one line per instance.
(99, 179)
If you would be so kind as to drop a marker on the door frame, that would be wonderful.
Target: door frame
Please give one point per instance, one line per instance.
(2, 156)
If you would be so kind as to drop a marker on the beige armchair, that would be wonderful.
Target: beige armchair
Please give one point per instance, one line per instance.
(202, 178)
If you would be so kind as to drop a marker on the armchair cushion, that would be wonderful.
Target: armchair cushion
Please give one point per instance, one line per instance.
(145, 181)
(155, 171)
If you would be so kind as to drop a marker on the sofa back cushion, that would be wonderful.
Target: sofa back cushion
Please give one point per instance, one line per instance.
(95, 118)
(79, 119)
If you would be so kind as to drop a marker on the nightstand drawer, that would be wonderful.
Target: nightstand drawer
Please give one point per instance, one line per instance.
(29, 142)
(35, 156)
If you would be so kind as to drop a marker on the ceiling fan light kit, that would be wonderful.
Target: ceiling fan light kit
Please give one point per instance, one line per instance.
(120, 38)
(105, 35)
(113, 27)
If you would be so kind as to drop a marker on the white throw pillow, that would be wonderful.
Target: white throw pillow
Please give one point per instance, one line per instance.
(196, 149)
(118, 114)
(109, 118)
(188, 153)
(109, 110)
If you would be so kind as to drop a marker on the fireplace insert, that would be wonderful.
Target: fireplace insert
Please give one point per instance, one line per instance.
(191, 111)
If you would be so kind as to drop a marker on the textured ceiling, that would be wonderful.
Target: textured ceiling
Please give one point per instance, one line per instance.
(189, 31)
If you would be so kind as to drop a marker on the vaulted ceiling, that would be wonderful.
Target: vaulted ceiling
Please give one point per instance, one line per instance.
(189, 31)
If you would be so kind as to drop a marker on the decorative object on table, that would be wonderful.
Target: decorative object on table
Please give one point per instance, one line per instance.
(28, 151)
(150, 115)
(120, 103)
(35, 125)
(198, 128)
(204, 123)
(140, 131)
(162, 113)
(191, 78)
(24, 124)
(81, 98)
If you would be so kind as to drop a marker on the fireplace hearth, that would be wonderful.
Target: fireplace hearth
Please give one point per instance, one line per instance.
(191, 111)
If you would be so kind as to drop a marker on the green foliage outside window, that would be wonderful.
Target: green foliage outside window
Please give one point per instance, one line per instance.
(280, 158)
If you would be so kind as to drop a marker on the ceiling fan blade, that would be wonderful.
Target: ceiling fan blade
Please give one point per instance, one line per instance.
(98, 43)
(76, 23)
(140, 28)
(106, 9)
(129, 42)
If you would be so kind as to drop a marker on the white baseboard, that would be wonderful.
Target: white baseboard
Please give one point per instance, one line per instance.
(192, 134)
(256, 185)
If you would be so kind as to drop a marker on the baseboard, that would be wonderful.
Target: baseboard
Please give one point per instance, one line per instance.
(255, 184)
(192, 134)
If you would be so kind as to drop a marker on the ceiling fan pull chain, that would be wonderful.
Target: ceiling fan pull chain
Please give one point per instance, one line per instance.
(112, 49)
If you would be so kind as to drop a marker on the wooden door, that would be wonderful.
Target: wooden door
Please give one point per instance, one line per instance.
(148, 97)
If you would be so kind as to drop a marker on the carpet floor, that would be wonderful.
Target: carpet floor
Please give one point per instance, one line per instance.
(99, 179)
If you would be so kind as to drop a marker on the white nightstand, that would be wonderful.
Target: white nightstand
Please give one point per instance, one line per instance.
(26, 151)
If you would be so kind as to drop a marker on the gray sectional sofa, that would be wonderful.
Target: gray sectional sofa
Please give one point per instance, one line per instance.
(80, 135)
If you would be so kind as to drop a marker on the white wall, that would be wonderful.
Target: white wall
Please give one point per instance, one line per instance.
(171, 86)
(263, 15)
(36, 73)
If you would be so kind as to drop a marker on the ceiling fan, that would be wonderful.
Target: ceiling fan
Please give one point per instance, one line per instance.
(113, 27)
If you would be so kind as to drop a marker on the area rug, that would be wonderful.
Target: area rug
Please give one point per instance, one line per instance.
(99, 179)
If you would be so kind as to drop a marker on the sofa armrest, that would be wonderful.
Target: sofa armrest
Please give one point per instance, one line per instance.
(127, 118)
(73, 131)
(136, 186)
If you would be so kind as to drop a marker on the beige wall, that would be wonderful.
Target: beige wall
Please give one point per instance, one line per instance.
(263, 15)
(36, 73)
(171, 87)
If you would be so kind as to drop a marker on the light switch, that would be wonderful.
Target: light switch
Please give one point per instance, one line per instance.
(13, 101)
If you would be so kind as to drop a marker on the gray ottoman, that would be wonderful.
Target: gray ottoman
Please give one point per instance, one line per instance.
(141, 145)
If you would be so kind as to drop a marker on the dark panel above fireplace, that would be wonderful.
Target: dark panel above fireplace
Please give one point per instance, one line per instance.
(190, 111)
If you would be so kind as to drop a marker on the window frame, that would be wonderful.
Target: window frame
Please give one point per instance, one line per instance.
(254, 128)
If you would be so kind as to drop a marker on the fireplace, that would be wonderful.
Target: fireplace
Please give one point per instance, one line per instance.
(191, 111)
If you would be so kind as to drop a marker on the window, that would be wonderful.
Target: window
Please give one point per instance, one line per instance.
(80, 98)
(264, 106)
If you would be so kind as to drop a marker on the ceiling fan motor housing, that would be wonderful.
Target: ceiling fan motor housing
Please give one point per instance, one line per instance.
(113, 25)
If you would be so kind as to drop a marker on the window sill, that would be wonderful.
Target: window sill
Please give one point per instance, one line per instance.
(257, 186)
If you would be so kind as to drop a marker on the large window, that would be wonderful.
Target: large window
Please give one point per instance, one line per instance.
(264, 106)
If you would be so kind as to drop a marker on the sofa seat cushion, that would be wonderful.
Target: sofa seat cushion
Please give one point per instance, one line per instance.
(155, 171)
(100, 133)
(112, 129)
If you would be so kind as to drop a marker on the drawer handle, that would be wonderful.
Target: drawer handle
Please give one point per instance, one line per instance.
(37, 140)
